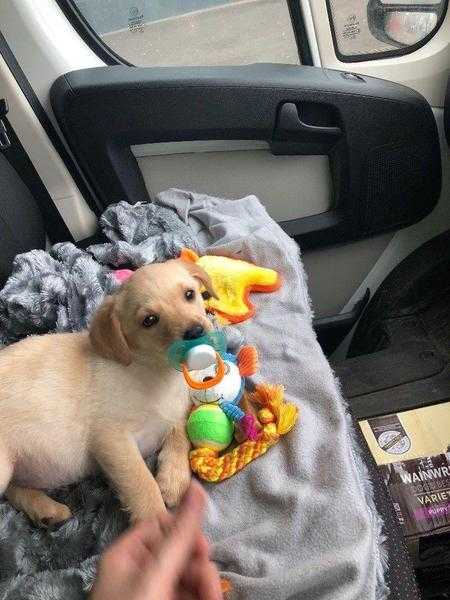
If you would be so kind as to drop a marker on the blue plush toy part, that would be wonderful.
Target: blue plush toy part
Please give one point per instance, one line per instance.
(232, 408)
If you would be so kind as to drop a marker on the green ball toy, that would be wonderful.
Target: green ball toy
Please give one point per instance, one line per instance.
(209, 427)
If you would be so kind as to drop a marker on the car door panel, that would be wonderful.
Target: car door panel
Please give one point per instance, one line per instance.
(384, 173)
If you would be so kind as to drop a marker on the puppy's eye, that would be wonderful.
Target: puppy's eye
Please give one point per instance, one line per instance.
(206, 295)
(150, 320)
(189, 295)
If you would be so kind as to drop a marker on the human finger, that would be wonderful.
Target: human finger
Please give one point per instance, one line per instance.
(184, 534)
(202, 579)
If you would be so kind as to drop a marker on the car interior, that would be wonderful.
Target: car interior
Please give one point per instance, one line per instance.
(334, 113)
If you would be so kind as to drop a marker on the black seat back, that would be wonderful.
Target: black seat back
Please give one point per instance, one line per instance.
(21, 223)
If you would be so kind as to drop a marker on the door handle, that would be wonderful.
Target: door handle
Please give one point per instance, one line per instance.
(290, 125)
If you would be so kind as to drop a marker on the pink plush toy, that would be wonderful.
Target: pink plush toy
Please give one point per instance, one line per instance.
(122, 275)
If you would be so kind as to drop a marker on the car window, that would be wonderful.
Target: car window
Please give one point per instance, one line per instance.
(369, 29)
(193, 32)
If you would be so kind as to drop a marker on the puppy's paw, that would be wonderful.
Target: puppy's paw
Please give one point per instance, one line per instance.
(51, 514)
(173, 480)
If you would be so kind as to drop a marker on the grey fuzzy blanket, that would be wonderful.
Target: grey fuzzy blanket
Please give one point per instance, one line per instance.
(299, 522)
(59, 290)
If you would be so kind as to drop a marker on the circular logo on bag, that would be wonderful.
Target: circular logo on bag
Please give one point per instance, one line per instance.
(394, 442)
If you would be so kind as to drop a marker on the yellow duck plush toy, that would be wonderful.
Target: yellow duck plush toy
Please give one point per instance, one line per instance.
(233, 280)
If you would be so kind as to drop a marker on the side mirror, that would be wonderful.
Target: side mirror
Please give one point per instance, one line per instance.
(403, 24)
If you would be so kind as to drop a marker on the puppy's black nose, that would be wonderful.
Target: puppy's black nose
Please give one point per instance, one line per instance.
(193, 332)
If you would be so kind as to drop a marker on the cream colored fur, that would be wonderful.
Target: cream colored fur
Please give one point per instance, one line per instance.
(72, 402)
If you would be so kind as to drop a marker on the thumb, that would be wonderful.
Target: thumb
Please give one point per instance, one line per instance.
(183, 536)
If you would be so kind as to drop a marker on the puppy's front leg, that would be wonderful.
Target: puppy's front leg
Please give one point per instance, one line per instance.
(174, 472)
(120, 458)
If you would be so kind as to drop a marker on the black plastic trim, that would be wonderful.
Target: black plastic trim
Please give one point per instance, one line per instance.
(316, 230)
(331, 331)
(447, 113)
(388, 53)
(301, 35)
(89, 35)
(384, 149)
(48, 127)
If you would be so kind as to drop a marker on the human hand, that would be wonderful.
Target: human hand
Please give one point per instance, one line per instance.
(163, 559)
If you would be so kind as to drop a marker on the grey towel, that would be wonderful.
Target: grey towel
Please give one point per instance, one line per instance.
(299, 522)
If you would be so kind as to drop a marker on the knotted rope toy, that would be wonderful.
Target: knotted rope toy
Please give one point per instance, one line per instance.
(216, 381)
(276, 418)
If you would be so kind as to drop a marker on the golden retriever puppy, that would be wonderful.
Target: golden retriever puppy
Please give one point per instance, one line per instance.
(108, 397)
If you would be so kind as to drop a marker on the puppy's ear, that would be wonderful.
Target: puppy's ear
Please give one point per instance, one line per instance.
(106, 334)
(196, 271)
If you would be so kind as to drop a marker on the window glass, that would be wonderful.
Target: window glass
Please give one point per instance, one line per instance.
(193, 32)
(368, 28)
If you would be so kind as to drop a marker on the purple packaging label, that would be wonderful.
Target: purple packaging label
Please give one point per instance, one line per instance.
(441, 510)
(420, 491)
